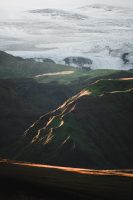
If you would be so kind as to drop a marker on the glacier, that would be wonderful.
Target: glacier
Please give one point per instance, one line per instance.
(98, 32)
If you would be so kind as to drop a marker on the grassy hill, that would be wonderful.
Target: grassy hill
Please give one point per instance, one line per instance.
(16, 67)
(22, 101)
(93, 129)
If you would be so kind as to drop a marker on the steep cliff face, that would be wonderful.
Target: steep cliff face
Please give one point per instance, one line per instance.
(91, 129)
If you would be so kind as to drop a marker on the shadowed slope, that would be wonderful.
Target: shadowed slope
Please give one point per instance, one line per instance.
(82, 132)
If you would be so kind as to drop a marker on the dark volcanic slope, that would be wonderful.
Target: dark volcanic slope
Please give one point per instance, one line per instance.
(92, 129)
(22, 101)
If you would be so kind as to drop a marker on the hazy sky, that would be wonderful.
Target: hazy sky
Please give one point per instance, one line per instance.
(30, 4)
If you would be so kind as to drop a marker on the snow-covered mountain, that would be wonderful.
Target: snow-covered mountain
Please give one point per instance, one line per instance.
(98, 32)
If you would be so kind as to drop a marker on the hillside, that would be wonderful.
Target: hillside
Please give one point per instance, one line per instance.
(17, 67)
(82, 131)
(25, 97)
(22, 101)
(78, 133)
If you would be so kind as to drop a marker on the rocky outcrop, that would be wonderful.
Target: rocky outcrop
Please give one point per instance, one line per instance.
(78, 61)
(125, 58)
